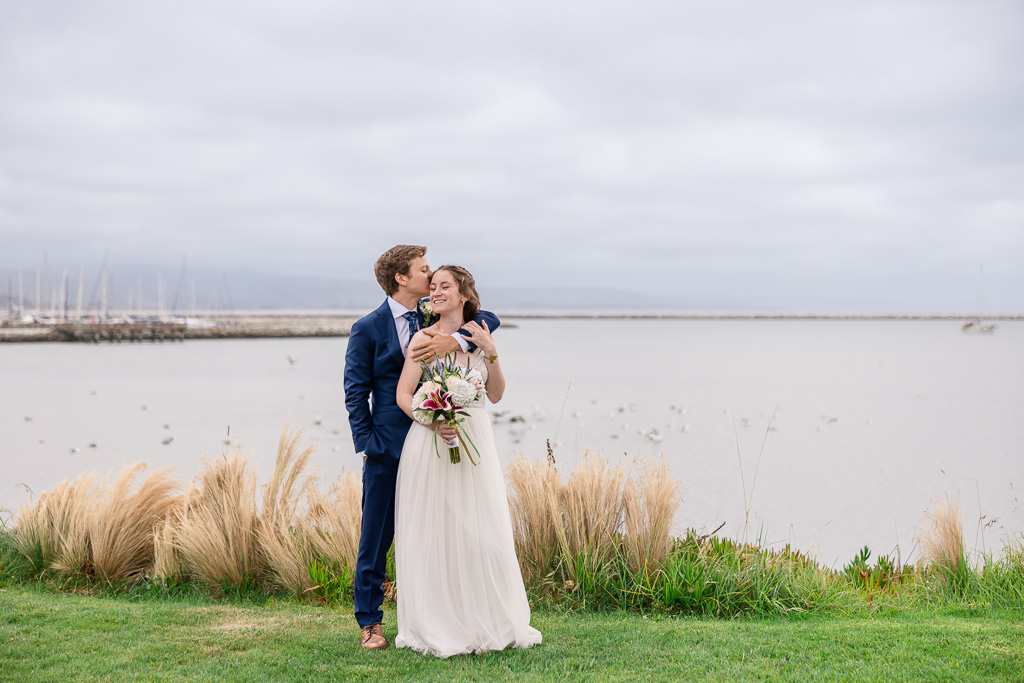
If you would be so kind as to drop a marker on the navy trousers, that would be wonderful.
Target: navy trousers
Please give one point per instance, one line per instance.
(375, 539)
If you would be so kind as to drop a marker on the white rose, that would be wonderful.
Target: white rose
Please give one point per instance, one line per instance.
(421, 394)
(424, 417)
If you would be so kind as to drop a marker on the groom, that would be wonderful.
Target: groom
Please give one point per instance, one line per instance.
(377, 347)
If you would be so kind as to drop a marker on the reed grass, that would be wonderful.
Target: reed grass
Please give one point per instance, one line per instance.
(601, 538)
(535, 508)
(592, 506)
(166, 560)
(214, 534)
(333, 521)
(941, 541)
(53, 532)
(121, 526)
(282, 542)
(90, 527)
(650, 503)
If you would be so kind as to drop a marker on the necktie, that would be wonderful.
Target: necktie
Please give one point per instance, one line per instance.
(414, 324)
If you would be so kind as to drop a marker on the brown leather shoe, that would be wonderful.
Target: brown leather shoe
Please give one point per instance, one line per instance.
(373, 637)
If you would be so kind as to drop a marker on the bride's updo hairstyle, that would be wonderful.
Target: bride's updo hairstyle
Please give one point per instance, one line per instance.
(467, 288)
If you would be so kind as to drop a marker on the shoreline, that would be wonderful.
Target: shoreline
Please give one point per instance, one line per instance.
(762, 316)
(219, 327)
(269, 324)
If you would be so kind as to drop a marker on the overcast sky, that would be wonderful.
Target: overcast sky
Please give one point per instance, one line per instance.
(775, 155)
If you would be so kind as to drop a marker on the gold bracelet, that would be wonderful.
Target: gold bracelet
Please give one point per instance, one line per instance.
(492, 358)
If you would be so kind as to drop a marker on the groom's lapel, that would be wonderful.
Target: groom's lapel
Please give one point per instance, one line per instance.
(388, 332)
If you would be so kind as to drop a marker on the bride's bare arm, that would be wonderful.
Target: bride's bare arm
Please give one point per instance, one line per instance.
(495, 381)
(407, 382)
(410, 377)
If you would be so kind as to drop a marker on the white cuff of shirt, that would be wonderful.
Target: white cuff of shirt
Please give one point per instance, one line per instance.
(463, 344)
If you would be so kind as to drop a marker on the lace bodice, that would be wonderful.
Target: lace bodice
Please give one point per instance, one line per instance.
(478, 362)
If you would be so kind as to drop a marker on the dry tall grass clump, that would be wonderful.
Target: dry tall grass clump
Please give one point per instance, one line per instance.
(942, 540)
(121, 525)
(333, 521)
(536, 511)
(54, 530)
(602, 525)
(215, 536)
(219, 536)
(92, 527)
(283, 541)
(74, 547)
(650, 505)
(592, 503)
(166, 562)
(587, 522)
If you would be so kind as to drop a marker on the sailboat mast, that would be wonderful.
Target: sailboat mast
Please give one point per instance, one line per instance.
(64, 294)
(81, 292)
(160, 295)
(103, 295)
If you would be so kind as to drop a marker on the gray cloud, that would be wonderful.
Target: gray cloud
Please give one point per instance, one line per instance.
(786, 155)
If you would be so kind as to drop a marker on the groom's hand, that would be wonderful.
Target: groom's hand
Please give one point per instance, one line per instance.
(437, 343)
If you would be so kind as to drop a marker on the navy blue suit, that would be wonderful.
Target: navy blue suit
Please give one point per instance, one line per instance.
(373, 365)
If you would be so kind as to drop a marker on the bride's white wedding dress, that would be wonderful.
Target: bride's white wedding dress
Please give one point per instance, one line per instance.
(460, 589)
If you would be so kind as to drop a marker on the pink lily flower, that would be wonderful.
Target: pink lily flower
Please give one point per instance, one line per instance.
(438, 400)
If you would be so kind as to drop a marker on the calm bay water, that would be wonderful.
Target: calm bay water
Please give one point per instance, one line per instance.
(872, 418)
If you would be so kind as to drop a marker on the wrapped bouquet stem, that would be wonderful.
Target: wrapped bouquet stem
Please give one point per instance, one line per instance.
(462, 442)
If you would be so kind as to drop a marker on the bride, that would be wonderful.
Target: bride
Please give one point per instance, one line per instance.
(460, 589)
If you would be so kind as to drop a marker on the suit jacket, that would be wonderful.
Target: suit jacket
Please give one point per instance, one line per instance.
(373, 365)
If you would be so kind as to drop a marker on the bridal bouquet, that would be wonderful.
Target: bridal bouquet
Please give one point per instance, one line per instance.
(445, 390)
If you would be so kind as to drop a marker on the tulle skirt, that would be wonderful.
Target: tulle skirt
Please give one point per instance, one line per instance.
(460, 589)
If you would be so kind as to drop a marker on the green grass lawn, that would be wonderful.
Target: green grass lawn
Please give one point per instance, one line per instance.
(46, 636)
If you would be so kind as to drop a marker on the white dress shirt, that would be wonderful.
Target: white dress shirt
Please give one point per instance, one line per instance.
(402, 326)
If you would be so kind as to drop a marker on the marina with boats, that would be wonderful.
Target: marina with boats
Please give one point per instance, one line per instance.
(72, 318)
(174, 329)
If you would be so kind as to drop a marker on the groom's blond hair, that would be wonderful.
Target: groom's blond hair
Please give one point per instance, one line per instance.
(395, 260)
